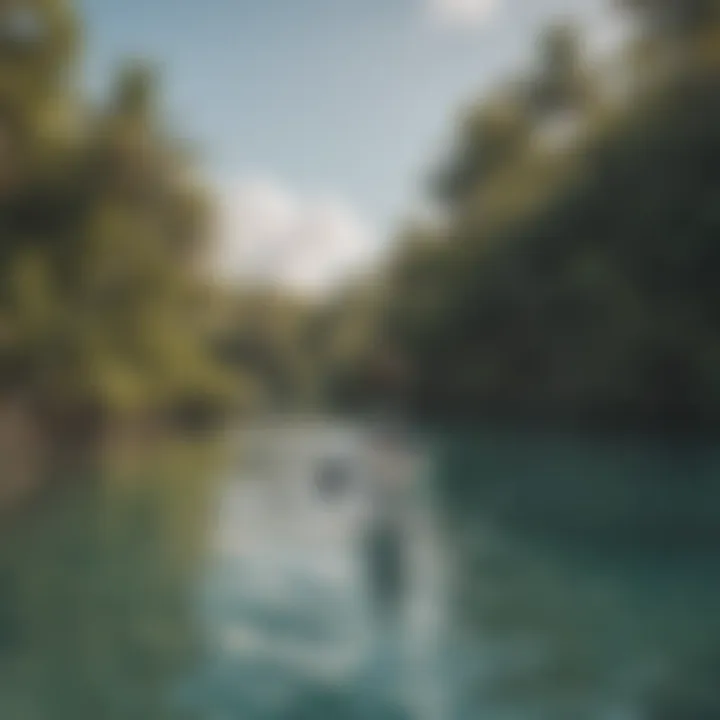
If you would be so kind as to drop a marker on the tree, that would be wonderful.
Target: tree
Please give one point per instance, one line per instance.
(103, 231)
(490, 137)
(575, 284)
(673, 16)
(563, 82)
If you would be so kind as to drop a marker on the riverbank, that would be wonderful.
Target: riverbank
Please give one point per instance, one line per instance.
(36, 446)
(22, 451)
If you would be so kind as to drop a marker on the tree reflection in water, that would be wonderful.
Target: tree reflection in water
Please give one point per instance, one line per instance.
(96, 615)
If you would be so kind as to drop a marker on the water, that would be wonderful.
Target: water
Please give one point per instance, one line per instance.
(546, 578)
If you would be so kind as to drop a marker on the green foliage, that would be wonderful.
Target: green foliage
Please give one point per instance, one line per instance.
(266, 337)
(574, 281)
(674, 16)
(102, 233)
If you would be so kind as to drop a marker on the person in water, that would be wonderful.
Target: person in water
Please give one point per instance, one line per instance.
(386, 542)
(387, 565)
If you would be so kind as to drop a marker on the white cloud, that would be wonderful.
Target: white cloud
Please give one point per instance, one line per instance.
(270, 234)
(463, 12)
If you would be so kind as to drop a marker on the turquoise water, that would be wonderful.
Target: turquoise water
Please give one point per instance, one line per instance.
(546, 577)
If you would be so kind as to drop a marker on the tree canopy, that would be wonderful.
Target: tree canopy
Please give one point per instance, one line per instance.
(574, 281)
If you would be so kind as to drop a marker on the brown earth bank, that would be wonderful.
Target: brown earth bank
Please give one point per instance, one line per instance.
(22, 453)
(39, 445)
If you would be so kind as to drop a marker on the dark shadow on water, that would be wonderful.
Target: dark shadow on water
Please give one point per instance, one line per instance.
(343, 706)
(652, 492)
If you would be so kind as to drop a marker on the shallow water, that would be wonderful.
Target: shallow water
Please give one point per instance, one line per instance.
(546, 578)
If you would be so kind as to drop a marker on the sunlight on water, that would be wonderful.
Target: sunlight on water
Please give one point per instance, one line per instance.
(290, 590)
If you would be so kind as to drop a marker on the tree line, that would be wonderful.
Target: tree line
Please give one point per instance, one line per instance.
(107, 305)
(571, 275)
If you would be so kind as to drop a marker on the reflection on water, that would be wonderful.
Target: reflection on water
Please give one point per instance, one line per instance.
(288, 598)
(534, 584)
(95, 597)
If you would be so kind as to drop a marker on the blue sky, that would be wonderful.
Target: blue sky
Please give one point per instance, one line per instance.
(336, 108)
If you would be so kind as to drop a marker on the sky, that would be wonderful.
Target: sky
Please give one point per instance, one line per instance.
(319, 121)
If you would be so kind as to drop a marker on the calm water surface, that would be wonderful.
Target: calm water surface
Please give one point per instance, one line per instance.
(543, 578)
